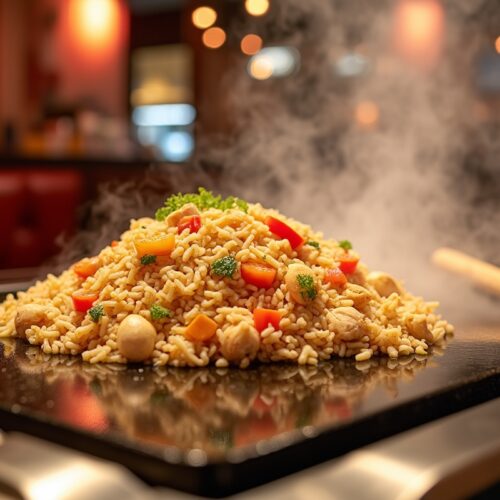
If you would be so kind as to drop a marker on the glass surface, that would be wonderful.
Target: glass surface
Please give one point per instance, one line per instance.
(226, 410)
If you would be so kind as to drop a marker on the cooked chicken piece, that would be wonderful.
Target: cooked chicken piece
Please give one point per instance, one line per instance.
(27, 316)
(240, 341)
(348, 323)
(384, 283)
(300, 283)
(417, 326)
(136, 338)
(188, 209)
(358, 294)
(358, 277)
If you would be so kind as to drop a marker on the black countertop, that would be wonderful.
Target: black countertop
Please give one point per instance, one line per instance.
(214, 431)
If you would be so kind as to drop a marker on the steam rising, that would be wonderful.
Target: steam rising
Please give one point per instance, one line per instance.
(397, 190)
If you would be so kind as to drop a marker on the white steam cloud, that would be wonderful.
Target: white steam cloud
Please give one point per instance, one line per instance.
(397, 190)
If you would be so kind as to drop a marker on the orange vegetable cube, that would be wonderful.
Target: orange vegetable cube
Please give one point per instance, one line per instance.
(335, 277)
(87, 267)
(202, 328)
(161, 245)
(258, 274)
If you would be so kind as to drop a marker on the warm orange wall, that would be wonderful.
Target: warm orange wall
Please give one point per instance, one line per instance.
(90, 54)
(12, 52)
(94, 66)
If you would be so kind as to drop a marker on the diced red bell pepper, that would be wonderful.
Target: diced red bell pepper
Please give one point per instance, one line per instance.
(191, 222)
(265, 317)
(83, 301)
(284, 231)
(348, 263)
(258, 274)
(335, 277)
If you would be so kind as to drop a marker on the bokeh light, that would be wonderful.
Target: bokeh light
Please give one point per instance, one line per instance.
(257, 7)
(251, 44)
(96, 23)
(366, 114)
(204, 17)
(497, 44)
(261, 68)
(214, 38)
(178, 146)
(275, 62)
(419, 31)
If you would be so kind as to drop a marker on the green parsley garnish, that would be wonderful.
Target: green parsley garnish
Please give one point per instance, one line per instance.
(345, 244)
(226, 266)
(148, 259)
(96, 312)
(159, 312)
(203, 200)
(314, 244)
(307, 286)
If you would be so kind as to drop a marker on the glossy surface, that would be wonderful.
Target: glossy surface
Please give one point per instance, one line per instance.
(199, 416)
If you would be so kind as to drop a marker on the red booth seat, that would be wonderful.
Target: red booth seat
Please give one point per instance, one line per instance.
(36, 207)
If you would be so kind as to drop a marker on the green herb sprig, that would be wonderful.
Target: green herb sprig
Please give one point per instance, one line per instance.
(148, 259)
(307, 286)
(225, 266)
(96, 312)
(345, 244)
(159, 312)
(314, 244)
(203, 200)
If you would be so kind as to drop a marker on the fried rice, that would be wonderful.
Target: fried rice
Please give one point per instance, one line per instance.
(313, 315)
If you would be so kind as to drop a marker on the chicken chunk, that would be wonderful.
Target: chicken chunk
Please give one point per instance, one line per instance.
(384, 283)
(28, 316)
(300, 283)
(348, 323)
(188, 209)
(240, 341)
(418, 328)
(358, 294)
(136, 338)
(358, 277)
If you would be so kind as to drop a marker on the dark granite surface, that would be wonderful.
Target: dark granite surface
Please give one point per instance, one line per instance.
(214, 431)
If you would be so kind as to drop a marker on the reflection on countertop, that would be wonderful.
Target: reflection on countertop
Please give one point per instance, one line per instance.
(219, 410)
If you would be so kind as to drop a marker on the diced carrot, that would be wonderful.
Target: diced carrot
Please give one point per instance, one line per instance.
(335, 277)
(114, 243)
(348, 263)
(87, 267)
(83, 301)
(265, 317)
(161, 245)
(258, 274)
(201, 328)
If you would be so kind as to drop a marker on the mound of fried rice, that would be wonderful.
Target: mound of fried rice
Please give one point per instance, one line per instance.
(389, 324)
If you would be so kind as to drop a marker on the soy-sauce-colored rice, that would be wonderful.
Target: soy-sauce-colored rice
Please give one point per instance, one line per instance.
(184, 284)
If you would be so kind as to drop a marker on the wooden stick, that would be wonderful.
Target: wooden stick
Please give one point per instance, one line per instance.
(479, 272)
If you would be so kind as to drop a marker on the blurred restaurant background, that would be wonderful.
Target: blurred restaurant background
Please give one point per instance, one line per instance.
(100, 91)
